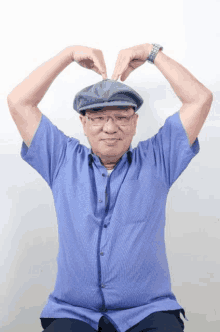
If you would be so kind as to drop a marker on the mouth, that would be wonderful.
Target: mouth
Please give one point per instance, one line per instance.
(110, 141)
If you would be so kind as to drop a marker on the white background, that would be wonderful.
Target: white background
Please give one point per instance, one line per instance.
(32, 32)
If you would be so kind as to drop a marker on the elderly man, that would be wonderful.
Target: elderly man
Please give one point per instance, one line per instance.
(110, 200)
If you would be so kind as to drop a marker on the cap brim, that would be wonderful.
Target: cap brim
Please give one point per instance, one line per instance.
(111, 103)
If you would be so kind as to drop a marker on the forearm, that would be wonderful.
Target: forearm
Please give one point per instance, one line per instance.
(34, 87)
(184, 84)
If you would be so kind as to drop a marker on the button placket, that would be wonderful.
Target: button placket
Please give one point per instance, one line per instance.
(105, 226)
(100, 200)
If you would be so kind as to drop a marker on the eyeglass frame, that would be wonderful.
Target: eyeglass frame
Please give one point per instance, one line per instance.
(108, 116)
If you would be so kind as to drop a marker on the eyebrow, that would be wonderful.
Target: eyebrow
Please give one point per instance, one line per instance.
(95, 111)
(115, 114)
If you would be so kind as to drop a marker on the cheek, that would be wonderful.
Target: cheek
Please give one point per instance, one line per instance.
(94, 134)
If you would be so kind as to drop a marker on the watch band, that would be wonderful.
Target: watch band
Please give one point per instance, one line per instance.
(156, 48)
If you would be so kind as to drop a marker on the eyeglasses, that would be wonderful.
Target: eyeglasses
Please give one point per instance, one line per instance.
(102, 119)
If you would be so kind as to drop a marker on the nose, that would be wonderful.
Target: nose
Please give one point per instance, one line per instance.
(110, 125)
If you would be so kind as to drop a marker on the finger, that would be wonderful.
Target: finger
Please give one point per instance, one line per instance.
(121, 68)
(104, 76)
(126, 73)
(99, 62)
(97, 70)
(117, 66)
(101, 72)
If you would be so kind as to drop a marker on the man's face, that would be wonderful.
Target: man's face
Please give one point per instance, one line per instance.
(97, 134)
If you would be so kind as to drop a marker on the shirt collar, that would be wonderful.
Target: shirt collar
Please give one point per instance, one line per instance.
(128, 153)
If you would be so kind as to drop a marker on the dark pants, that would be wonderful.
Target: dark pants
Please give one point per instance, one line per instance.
(161, 321)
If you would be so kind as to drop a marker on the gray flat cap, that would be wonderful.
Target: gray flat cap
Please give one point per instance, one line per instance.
(106, 93)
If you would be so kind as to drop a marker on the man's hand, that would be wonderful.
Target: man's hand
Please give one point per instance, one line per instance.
(90, 58)
(130, 59)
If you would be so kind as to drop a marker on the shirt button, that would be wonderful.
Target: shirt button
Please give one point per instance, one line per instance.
(102, 253)
(103, 286)
(100, 201)
(103, 174)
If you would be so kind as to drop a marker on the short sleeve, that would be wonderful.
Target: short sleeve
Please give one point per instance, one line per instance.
(172, 150)
(47, 150)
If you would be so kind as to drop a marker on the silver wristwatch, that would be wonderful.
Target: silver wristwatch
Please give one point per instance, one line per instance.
(154, 52)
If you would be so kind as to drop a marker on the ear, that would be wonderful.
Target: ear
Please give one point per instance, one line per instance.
(136, 119)
(82, 119)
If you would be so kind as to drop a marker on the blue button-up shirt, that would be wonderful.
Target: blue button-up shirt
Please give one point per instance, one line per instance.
(112, 258)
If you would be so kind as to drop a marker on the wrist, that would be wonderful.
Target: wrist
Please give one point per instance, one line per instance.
(149, 48)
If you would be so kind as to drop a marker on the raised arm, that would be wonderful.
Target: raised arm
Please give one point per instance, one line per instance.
(25, 97)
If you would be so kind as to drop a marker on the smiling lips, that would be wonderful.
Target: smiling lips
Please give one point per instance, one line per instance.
(111, 141)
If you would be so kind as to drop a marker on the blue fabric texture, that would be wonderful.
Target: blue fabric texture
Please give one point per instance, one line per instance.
(112, 256)
(107, 93)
